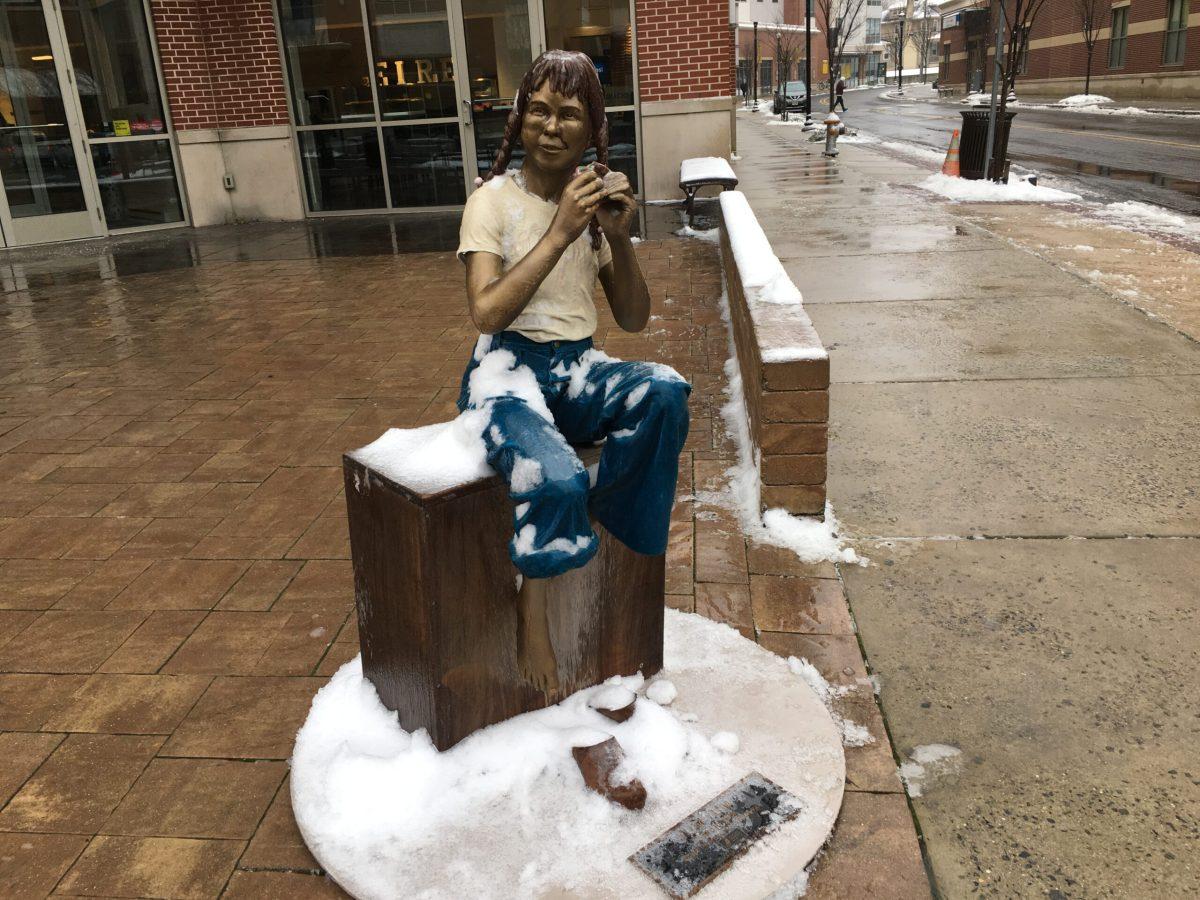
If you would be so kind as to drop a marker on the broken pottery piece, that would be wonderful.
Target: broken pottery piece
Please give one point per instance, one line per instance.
(597, 763)
(614, 702)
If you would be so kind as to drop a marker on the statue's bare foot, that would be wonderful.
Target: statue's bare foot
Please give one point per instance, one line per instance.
(535, 651)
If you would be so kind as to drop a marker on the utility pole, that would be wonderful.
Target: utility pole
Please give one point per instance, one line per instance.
(996, 76)
(756, 67)
(900, 59)
(808, 11)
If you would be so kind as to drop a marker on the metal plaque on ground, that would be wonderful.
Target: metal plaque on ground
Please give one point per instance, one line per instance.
(691, 854)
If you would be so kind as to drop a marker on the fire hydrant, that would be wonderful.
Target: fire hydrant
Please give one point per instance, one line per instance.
(833, 127)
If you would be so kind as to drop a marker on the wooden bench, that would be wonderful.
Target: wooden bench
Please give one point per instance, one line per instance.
(704, 171)
(435, 592)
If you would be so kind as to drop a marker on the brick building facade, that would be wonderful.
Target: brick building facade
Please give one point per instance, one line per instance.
(1145, 50)
(211, 111)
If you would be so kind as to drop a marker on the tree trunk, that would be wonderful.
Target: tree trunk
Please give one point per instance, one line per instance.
(1087, 78)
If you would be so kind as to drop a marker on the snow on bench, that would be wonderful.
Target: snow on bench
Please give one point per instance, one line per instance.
(784, 366)
(704, 171)
(435, 589)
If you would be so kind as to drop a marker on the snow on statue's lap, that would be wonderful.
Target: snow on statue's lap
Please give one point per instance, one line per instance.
(505, 812)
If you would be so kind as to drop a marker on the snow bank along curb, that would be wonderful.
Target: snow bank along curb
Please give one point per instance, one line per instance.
(784, 367)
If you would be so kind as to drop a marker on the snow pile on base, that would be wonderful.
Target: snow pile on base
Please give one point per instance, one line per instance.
(505, 812)
(853, 734)
(983, 191)
(1144, 216)
(712, 235)
(926, 763)
(1084, 100)
(705, 168)
(763, 277)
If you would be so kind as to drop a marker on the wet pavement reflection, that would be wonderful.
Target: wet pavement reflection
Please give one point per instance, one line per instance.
(103, 259)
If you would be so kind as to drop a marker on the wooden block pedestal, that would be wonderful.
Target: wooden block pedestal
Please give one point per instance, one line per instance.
(436, 597)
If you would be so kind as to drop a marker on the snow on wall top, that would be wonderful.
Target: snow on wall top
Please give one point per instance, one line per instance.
(706, 168)
(782, 327)
(430, 459)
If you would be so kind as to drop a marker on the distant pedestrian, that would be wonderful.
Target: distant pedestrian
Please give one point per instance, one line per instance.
(838, 89)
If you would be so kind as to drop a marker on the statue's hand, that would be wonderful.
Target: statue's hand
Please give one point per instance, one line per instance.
(617, 205)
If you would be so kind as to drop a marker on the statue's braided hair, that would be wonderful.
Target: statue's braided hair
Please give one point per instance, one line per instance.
(568, 73)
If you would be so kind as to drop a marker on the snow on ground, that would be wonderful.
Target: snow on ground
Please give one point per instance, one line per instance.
(811, 539)
(963, 189)
(1146, 217)
(927, 763)
(1084, 100)
(853, 734)
(504, 813)
(712, 235)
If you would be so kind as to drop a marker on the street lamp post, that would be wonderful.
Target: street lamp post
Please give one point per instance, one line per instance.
(900, 60)
(755, 67)
(808, 11)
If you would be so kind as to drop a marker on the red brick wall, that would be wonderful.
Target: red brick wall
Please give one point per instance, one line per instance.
(1143, 53)
(220, 62)
(684, 49)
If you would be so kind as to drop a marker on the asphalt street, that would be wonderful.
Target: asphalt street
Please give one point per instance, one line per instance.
(1154, 159)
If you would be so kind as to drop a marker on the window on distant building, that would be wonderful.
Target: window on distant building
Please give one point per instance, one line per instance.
(945, 65)
(1175, 38)
(1119, 37)
(873, 31)
(1023, 59)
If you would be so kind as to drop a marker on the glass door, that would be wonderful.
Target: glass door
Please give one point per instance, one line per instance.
(500, 39)
(44, 197)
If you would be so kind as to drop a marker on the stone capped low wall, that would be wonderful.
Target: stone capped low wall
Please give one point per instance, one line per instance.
(784, 366)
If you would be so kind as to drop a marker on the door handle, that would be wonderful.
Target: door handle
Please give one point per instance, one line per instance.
(468, 118)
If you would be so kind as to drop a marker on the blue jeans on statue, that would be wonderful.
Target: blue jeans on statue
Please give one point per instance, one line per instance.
(640, 412)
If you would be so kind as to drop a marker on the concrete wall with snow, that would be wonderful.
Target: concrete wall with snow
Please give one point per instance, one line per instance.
(784, 367)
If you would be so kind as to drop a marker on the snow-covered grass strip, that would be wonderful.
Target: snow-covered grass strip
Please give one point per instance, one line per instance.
(1132, 214)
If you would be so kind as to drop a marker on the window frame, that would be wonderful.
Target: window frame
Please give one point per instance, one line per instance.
(1118, 45)
(1175, 38)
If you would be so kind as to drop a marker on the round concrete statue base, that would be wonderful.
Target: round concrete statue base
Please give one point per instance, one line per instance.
(505, 813)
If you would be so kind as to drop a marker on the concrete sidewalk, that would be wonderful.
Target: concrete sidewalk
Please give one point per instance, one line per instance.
(1016, 452)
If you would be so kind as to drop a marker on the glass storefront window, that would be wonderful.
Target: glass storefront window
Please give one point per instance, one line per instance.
(622, 145)
(414, 65)
(342, 169)
(498, 53)
(114, 67)
(137, 183)
(424, 165)
(601, 29)
(326, 61)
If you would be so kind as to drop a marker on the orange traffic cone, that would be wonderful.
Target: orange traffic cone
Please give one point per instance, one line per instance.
(950, 166)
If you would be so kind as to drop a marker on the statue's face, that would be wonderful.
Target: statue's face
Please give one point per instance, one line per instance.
(555, 131)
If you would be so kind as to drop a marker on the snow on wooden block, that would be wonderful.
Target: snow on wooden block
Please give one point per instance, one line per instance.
(709, 169)
(435, 592)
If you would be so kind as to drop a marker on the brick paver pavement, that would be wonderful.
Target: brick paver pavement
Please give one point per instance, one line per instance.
(175, 581)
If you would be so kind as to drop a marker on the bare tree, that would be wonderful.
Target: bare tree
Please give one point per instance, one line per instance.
(895, 42)
(923, 28)
(1016, 22)
(787, 46)
(838, 19)
(1089, 13)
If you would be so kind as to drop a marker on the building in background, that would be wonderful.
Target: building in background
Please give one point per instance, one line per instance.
(1146, 50)
(137, 114)
(922, 27)
(780, 45)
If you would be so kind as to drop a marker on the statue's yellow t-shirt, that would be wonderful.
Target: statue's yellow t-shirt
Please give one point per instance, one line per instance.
(504, 219)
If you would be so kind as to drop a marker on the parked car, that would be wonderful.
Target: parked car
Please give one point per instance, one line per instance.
(793, 94)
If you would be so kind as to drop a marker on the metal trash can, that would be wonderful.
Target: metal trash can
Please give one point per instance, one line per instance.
(973, 142)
